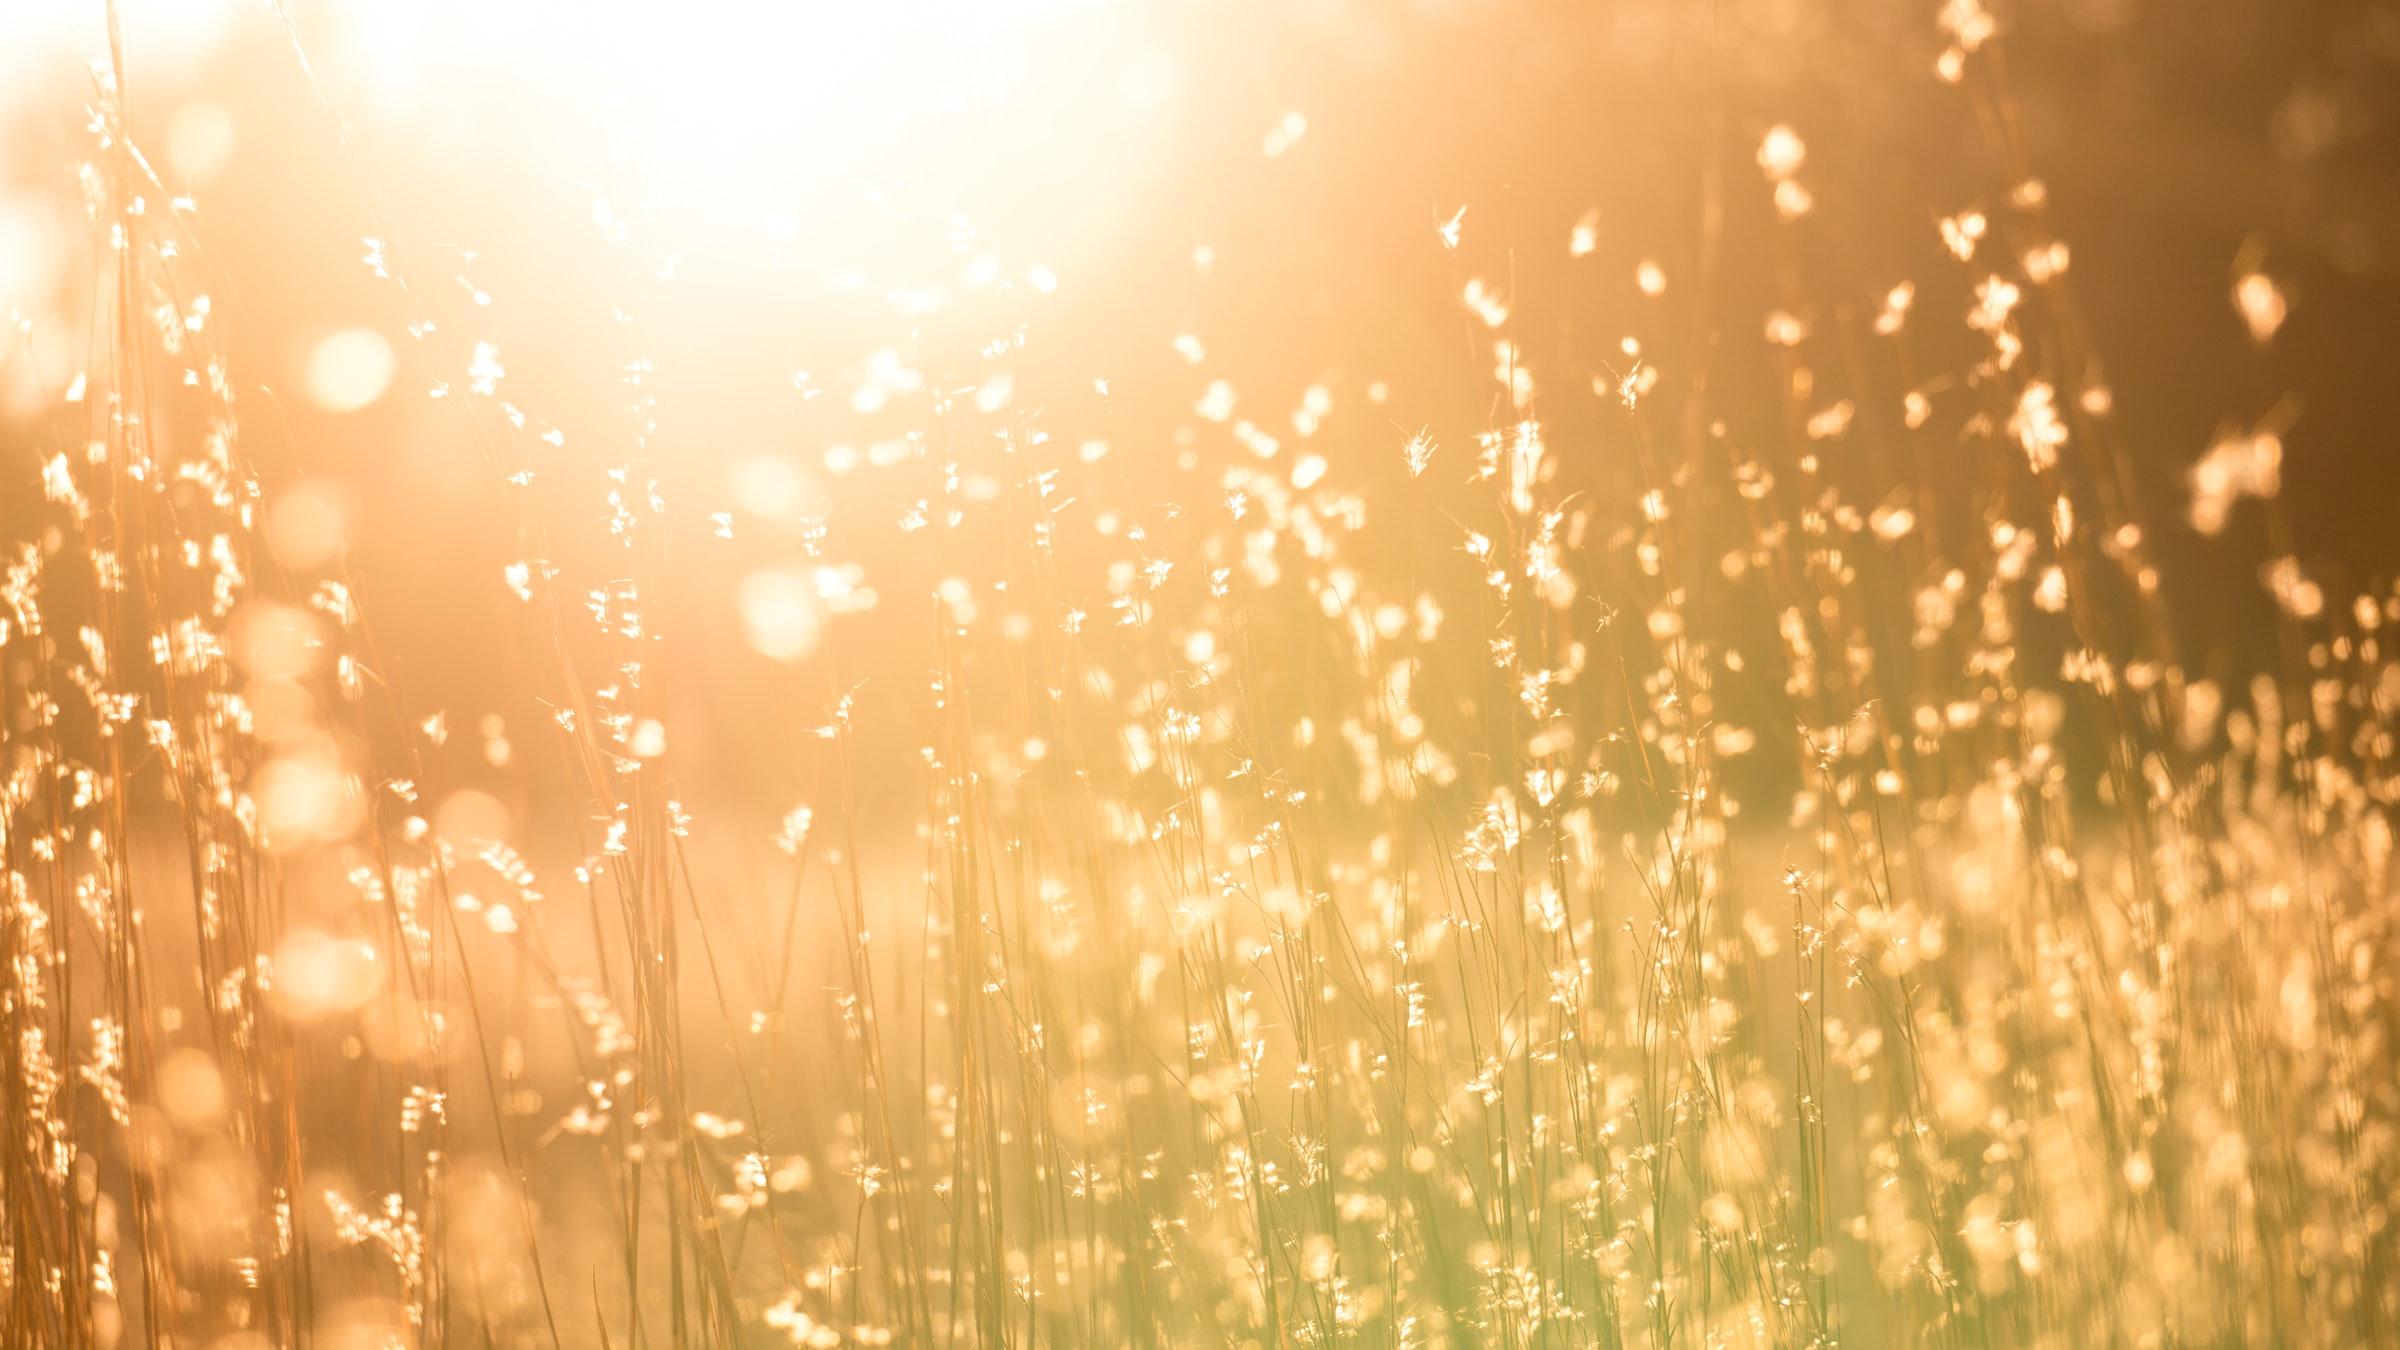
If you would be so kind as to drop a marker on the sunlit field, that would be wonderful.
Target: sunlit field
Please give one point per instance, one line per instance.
(1139, 673)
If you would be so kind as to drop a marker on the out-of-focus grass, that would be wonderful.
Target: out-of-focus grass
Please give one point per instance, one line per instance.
(1729, 894)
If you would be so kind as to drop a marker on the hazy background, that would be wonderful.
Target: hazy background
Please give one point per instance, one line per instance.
(658, 235)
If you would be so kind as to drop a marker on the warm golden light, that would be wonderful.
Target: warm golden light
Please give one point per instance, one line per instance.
(349, 370)
(1141, 673)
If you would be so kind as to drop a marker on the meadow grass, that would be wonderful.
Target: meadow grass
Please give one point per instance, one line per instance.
(1705, 888)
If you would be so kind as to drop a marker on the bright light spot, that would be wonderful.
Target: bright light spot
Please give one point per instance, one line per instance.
(1586, 235)
(1782, 154)
(995, 392)
(305, 798)
(319, 975)
(2262, 305)
(649, 739)
(349, 370)
(740, 108)
(1286, 134)
(1485, 302)
(781, 613)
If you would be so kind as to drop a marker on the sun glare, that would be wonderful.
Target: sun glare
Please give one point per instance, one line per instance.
(748, 113)
(349, 370)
